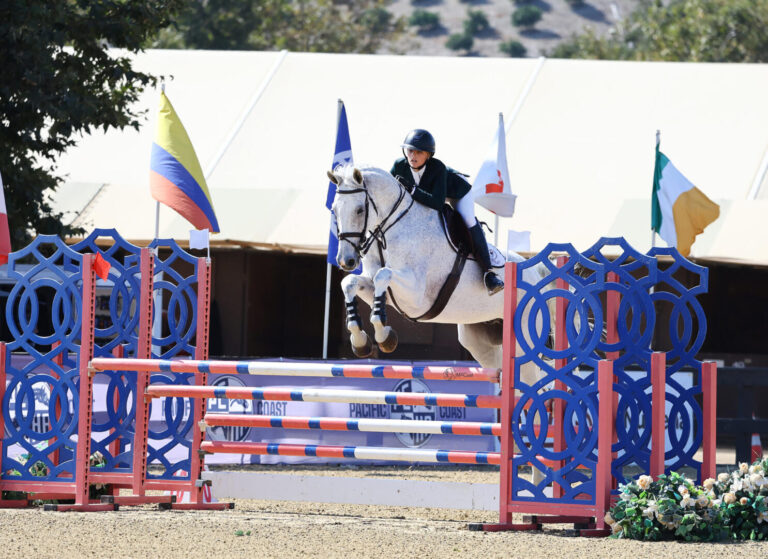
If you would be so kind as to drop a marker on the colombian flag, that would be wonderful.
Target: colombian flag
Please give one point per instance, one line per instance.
(175, 176)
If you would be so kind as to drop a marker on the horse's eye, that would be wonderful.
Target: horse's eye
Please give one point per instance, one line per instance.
(359, 211)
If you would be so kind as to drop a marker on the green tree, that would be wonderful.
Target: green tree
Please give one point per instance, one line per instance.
(526, 16)
(683, 30)
(460, 41)
(424, 20)
(58, 80)
(297, 25)
(476, 22)
(513, 48)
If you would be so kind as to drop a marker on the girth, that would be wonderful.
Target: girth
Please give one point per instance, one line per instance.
(444, 295)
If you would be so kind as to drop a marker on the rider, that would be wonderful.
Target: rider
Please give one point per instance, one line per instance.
(431, 182)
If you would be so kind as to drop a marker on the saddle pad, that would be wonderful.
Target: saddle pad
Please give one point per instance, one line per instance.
(497, 258)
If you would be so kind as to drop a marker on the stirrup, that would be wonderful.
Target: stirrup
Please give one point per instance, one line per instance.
(492, 282)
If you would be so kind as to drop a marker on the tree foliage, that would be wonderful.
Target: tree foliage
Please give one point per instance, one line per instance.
(58, 81)
(297, 25)
(424, 20)
(476, 22)
(460, 41)
(682, 30)
(513, 48)
(526, 16)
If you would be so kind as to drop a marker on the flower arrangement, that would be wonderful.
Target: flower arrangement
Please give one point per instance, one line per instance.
(733, 506)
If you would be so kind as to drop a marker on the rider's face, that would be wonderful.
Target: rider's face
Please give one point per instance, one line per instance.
(416, 157)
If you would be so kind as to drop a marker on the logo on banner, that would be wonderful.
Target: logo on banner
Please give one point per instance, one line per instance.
(419, 413)
(342, 158)
(495, 187)
(224, 405)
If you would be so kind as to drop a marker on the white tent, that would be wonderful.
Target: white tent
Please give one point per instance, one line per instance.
(580, 140)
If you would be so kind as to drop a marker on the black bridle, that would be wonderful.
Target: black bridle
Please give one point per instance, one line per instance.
(378, 234)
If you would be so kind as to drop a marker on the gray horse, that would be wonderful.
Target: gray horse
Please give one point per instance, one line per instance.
(404, 250)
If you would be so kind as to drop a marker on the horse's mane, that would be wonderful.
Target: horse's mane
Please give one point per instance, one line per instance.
(345, 170)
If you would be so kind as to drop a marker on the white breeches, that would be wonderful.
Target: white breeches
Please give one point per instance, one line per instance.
(466, 207)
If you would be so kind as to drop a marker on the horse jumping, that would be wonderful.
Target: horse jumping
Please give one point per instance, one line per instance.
(405, 260)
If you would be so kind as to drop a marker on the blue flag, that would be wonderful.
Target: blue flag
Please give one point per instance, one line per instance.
(341, 156)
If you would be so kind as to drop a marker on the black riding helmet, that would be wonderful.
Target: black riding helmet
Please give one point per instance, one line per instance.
(419, 139)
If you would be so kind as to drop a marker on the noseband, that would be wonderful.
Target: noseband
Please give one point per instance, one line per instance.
(378, 234)
(361, 235)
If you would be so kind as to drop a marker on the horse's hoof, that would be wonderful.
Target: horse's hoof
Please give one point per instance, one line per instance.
(363, 351)
(390, 343)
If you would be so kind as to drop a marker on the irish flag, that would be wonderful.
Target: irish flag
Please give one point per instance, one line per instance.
(679, 210)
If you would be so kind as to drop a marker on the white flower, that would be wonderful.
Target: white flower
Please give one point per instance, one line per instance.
(729, 498)
(724, 477)
(616, 528)
(717, 502)
(744, 467)
(626, 496)
(650, 510)
(702, 501)
(644, 482)
(743, 500)
(757, 479)
(708, 484)
(609, 519)
(756, 468)
(686, 502)
(763, 517)
(683, 490)
(737, 485)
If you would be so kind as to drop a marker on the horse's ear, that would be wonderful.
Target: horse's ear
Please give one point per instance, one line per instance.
(334, 178)
(357, 175)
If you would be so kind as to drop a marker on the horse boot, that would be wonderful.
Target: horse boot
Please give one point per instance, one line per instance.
(492, 282)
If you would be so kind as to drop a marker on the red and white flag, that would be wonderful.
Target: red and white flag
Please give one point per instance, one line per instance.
(491, 186)
(5, 233)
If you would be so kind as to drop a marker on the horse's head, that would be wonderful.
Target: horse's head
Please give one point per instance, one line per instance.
(367, 203)
(352, 208)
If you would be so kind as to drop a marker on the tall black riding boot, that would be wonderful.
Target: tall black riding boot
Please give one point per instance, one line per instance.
(492, 282)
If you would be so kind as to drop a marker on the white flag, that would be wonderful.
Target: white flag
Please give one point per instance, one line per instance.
(198, 238)
(518, 241)
(491, 186)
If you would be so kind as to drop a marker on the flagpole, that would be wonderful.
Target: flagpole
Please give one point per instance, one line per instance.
(157, 296)
(326, 314)
(653, 231)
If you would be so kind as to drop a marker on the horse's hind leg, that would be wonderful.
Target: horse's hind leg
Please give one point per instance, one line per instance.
(361, 343)
(385, 336)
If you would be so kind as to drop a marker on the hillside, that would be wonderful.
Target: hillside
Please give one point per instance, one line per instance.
(559, 22)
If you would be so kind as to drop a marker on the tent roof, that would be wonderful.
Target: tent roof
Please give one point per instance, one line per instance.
(580, 142)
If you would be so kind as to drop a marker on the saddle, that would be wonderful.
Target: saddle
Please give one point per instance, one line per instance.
(455, 230)
(458, 237)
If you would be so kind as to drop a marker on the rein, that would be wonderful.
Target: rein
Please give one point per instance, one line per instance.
(378, 234)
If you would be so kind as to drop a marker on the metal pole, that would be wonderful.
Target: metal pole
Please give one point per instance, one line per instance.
(327, 309)
(326, 314)
(157, 220)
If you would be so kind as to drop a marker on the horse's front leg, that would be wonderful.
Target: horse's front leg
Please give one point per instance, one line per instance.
(385, 336)
(361, 343)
